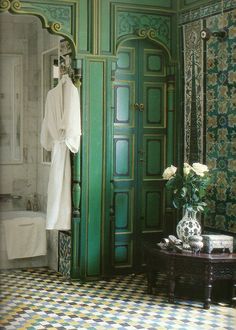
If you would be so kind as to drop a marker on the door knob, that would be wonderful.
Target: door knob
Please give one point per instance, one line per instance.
(136, 106)
(141, 107)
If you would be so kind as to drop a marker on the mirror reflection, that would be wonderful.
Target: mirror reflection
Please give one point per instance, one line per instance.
(11, 108)
(29, 68)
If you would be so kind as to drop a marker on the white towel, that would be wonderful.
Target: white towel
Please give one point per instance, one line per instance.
(25, 237)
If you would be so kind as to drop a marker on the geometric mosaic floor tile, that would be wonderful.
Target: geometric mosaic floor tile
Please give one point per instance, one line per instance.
(42, 299)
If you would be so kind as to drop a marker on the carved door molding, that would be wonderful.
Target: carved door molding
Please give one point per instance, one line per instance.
(56, 16)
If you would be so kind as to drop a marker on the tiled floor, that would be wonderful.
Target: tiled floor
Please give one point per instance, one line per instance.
(42, 299)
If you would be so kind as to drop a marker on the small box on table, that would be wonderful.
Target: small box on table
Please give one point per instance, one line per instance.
(224, 243)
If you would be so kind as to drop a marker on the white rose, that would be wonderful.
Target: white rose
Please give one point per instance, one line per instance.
(187, 168)
(199, 168)
(169, 172)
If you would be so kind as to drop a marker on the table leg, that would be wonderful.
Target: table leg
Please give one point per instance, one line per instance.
(208, 286)
(234, 290)
(172, 290)
(151, 279)
(207, 301)
(171, 283)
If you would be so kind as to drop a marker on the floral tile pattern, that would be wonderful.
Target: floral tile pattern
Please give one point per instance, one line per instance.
(64, 254)
(221, 121)
(210, 96)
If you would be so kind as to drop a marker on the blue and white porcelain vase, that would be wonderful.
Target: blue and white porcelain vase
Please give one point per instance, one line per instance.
(188, 226)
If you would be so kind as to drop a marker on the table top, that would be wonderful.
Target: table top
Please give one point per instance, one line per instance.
(153, 249)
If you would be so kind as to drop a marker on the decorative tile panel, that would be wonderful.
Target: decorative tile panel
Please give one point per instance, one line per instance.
(219, 105)
(205, 11)
(64, 253)
(64, 267)
(221, 122)
(193, 92)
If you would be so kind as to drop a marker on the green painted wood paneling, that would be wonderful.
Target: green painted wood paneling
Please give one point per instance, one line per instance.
(125, 61)
(153, 210)
(90, 33)
(122, 157)
(96, 104)
(84, 26)
(108, 219)
(124, 94)
(143, 65)
(154, 63)
(122, 105)
(123, 254)
(153, 149)
(154, 100)
(123, 153)
(144, 9)
(122, 211)
(75, 247)
(155, 111)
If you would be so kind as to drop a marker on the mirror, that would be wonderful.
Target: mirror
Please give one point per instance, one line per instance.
(29, 68)
(11, 109)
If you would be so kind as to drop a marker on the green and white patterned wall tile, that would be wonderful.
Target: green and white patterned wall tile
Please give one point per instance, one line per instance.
(221, 122)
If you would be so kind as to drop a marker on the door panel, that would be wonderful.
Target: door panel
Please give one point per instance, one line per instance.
(123, 147)
(153, 149)
(139, 149)
(154, 99)
(124, 208)
(123, 254)
(152, 210)
(124, 93)
(154, 62)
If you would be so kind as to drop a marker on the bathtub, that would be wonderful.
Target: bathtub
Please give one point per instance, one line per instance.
(5, 263)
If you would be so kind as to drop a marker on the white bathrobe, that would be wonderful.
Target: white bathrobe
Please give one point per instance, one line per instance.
(61, 130)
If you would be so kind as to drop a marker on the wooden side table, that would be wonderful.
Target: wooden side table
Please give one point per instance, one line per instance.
(206, 268)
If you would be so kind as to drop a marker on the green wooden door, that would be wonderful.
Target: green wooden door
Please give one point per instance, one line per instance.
(139, 144)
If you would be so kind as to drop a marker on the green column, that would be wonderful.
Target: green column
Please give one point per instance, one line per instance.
(171, 136)
(76, 217)
(170, 116)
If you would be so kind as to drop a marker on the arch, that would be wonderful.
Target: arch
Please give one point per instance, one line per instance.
(59, 18)
(55, 17)
(143, 33)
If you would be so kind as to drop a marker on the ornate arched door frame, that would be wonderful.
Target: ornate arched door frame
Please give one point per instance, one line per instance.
(55, 16)
(150, 35)
(59, 18)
